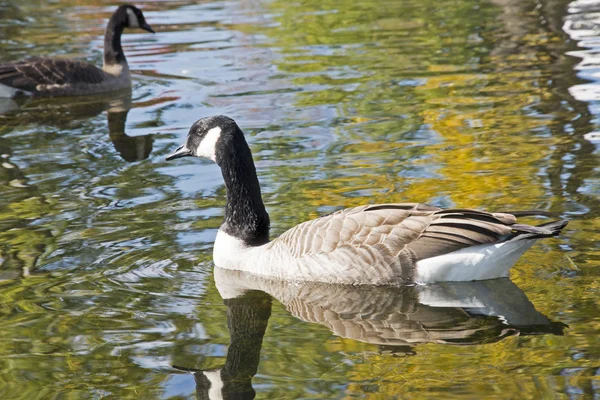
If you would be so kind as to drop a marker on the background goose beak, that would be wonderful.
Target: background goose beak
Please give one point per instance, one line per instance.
(146, 27)
(181, 151)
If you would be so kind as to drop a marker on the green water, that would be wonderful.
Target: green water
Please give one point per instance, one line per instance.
(107, 287)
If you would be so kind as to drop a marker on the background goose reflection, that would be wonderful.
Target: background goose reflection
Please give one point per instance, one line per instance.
(130, 148)
(68, 112)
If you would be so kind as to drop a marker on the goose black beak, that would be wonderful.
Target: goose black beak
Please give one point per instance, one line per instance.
(181, 151)
(147, 27)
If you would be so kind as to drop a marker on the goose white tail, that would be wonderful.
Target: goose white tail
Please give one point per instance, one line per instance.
(7, 92)
(486, 261)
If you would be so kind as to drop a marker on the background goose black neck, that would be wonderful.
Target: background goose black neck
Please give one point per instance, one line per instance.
(245, 214)
(113, 52)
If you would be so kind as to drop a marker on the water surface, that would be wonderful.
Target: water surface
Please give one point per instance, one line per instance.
(107, 287)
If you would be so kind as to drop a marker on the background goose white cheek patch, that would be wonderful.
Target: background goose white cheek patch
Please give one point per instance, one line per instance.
(133, 20)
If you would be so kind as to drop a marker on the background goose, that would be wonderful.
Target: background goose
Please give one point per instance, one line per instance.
(63, 77)
(372, 244)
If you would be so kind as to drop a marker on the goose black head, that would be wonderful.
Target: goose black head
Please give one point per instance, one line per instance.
(209, 137)
(132, 17)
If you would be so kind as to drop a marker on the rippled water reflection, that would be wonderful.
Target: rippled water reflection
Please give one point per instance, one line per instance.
(105, 249)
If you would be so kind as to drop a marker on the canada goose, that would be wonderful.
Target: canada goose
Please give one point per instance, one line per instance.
(393, 318)
(373, 244)
(63, 77)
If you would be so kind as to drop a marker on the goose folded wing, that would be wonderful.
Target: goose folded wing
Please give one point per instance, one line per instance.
(403, 232)
(452, 230)
(41, 74)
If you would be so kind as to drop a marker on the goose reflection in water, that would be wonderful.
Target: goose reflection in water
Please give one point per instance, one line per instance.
(394, 318)
(62, 113)
(131, 148)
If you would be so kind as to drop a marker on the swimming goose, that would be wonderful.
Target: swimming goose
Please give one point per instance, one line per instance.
(382, 244)
(63, 77)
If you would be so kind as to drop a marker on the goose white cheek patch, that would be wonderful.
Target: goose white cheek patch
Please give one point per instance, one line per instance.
(133, 21)
(207, 146)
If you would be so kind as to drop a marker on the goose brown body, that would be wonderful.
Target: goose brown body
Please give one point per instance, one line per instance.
(387, 241)
(60, 77)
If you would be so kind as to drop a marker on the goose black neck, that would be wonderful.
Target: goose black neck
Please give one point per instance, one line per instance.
(245, 215)
(113, 52)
